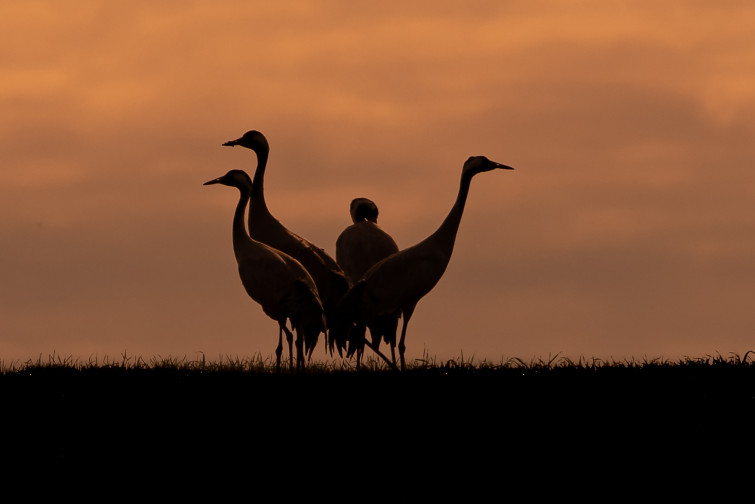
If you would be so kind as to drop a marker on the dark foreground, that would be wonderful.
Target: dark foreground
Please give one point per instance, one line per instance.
(440, 430)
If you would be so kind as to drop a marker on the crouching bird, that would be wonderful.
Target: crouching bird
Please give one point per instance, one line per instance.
(358, 248)
(275, 280)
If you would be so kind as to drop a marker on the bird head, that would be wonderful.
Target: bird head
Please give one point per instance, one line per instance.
(234, 178)
(479, 164)
(363, 209)
(251, 140)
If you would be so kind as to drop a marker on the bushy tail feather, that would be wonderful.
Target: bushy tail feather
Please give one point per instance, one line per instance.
(309, 318)
(356, 341)
(341, 321)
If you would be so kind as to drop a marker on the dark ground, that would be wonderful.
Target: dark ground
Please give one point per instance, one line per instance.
(405, 437)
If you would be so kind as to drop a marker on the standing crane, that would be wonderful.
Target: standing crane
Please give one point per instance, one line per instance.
(275, 280)
(358, 248)
(327, 275)
(399, 281)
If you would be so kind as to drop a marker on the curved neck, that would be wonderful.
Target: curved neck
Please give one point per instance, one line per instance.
(258, 192)
(445, 236)
(240, 236)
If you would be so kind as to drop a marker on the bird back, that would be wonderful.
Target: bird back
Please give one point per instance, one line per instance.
(360, 246)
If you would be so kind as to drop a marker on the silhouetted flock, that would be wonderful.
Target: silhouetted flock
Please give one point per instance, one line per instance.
(369, 286)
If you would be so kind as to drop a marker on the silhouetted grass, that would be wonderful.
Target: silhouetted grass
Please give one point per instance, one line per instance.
(331, 425)
(257, 364)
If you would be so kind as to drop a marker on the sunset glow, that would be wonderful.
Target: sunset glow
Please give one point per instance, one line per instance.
(627, 228)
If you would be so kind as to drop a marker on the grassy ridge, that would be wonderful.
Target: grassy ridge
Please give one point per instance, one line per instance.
(331, 423)
(513, 385)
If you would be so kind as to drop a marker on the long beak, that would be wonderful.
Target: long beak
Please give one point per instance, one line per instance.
(231, 143)
(503, 166)
(213, 181)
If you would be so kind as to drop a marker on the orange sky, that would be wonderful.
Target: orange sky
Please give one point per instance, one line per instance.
(626, 230)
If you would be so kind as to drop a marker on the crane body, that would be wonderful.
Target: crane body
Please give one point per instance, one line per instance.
(275, 280)
(399, 281)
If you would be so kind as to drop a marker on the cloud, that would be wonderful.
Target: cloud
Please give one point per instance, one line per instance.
(624, 228)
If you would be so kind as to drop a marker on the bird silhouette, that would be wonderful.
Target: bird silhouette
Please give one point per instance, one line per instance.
(327, 275)
(275, 280)
(359, 247)
(399, 281)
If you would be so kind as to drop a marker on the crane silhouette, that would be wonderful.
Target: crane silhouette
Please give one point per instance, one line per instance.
(328, 277)
(359, 247)
(399, 281)
(275, 280)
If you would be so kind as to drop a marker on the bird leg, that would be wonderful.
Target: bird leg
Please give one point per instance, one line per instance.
(389, 335)
(380, 354)
(279, 348)
(299, 348)
(401, 345)
(376, 338)
(289, 339)
(359, 340)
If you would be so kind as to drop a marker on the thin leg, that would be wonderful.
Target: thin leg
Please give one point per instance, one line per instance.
(390, 336)
(289, 340)
(360, 331)
(279, 349)
(299, 349)
(380, 354)
(401, 345)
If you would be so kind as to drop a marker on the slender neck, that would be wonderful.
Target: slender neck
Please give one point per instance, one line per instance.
(445, 236)
(240, 236)
(258, 192)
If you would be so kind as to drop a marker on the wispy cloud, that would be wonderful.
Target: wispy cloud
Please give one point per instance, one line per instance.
(624, 229)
